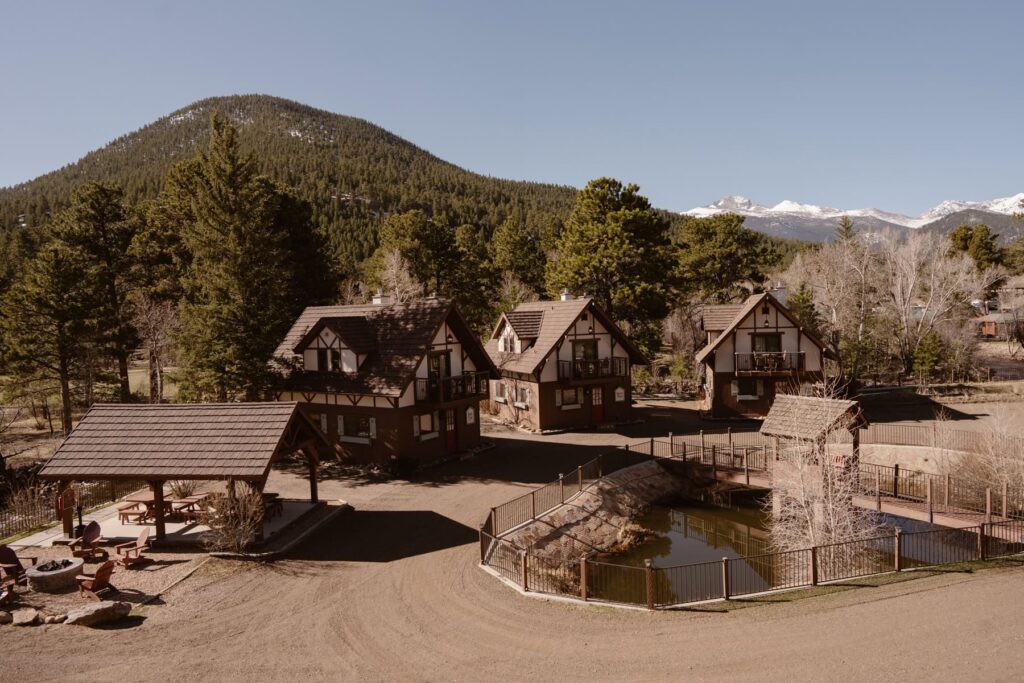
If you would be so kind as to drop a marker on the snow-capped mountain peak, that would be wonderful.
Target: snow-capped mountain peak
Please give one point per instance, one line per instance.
(789, 206)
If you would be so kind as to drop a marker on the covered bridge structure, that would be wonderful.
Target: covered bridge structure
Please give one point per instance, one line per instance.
(813, 420)
(167, 442)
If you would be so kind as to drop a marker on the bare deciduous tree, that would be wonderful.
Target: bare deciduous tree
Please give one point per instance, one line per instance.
(397, 280)
(235, 519)
(156, 322)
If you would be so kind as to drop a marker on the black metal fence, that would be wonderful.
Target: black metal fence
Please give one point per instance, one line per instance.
(23, 514)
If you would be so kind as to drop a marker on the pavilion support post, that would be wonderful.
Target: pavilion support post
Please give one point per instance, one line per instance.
(65, 508)
(158, 505)
(313, 493)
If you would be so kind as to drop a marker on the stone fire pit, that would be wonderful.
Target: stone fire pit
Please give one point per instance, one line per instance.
(55, 575)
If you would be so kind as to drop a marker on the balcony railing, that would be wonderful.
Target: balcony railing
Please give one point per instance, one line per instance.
(769, 361)
(592, 369)
(444, 389)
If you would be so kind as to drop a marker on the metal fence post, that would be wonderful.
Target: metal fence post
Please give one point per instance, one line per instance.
(600, 466)
(583, 577)
(561, 487)
(896, 480)
(684, 451)
(649, 579)
(579, 475)
(945, 494)
(988, 505)
(652, 446)
(702, 446)
(714, 462)
(725, 578)
(728, 431)
(1005, 494)
(671, 445)
(814, 565)
(898, 548)
(533, 505)
(878, 491)
(931, 512)
(526, 571)
(981, 541)
(746, 469)
(732, 455)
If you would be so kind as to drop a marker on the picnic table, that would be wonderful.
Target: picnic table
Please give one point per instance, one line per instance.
(187, 507)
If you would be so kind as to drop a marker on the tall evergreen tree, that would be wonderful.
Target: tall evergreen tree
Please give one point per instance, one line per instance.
(516, 249)
(474, 288)
(801, 304)
(845, 230)
(616, 247)
(47, 323)
(101, 228)
(240, 293)
(718, 256)
(427, 245)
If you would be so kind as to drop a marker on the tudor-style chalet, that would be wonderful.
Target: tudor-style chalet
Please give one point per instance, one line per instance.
(388, 382)
(754, 351)
(563, 364)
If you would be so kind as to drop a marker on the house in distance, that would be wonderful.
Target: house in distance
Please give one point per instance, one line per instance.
(756, 350)
(388, 382)
(563, 364)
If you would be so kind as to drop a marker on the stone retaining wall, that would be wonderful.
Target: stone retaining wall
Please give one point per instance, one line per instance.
(599, 518)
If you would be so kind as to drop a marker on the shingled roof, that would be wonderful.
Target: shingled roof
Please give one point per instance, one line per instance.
(394, 337)
(176, 441)
(555, 319)
(525, 323)
(715, 318)
(808, 418)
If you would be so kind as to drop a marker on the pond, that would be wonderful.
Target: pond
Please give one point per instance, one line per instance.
(688, 540)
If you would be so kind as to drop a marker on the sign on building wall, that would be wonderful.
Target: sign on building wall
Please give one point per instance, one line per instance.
(620, 394)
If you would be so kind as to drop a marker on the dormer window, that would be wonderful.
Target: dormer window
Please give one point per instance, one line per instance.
(328, 360)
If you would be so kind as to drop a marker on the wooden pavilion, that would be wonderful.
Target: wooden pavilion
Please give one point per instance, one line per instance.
(167, 442)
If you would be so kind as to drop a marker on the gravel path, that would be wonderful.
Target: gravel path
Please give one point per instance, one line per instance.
(392, 592)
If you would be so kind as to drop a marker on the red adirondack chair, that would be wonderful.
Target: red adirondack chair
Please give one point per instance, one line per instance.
(88, 544)
(130, 554)
(94, 586)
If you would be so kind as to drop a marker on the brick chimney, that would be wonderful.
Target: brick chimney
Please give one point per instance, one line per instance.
(380, 298)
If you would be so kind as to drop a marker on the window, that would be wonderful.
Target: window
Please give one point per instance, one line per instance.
(746, 389)
(584, 350)
(568, 398)
(439, 364)
(321, 360)
(425, 426)
(620, 394)
(499, 392)
(335, 365)
(356, 428)
(522, 397)
(767, 343)
(470, 415)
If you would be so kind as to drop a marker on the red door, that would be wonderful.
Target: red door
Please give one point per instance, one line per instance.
(449, 428)
(597, 404)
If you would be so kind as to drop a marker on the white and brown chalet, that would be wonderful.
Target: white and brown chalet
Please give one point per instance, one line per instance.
(563, 364)
(388, 382)
(755, 350)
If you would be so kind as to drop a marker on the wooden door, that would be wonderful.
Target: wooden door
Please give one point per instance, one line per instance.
(597, 404)
(451, 434)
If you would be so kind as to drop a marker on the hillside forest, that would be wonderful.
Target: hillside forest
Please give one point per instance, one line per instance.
(199, 262)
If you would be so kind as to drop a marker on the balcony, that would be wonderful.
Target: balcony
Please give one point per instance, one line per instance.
(592, 369)
(445, 389)
(768, 362)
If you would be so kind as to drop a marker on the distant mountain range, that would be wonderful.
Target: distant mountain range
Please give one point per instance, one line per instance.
(817, 223)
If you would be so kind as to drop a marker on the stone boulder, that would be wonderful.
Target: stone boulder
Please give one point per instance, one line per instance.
(25, 617)
(5, 617)
(98, 613)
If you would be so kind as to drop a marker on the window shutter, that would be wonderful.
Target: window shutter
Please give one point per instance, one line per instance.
(373, 428)
(415, 425)
(760, 387)
(435, 424)
(323, 422)
(558, 397)
(735, 388)
(341, 425)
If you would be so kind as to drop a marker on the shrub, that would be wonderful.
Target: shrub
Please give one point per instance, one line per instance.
(183, 488)
(235, 520)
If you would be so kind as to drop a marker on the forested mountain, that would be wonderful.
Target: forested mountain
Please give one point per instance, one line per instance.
(351, 171)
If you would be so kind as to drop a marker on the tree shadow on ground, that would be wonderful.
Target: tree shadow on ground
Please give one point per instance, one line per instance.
(910, 408)
(383, 536)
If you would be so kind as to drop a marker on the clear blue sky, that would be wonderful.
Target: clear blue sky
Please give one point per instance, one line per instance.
(891, 104)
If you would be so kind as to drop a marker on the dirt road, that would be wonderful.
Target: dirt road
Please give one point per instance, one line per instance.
(392, 592)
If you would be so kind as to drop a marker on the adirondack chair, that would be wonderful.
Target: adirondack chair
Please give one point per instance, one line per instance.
(130, 554)
(96, 585)
(7, 594)
(88, 544)
(11, 567)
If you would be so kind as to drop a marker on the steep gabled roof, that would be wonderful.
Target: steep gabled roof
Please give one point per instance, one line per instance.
(394, 337)
(526, 324)
(177, 441)
(808, 418)
(746, 308)
(555, 320)
(716, 317)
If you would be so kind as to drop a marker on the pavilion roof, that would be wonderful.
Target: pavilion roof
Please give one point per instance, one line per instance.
(163, 442)
(808, 418)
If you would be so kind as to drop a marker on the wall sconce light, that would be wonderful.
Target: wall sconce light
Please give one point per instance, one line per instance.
(450, 338)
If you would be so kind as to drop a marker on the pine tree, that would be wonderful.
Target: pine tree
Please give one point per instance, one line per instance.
(100, 227)
(616, 247)
(47, 323)
(475, 286)
(718, 256)
(801, 304)
(845, 230)
(239, 288)
(517, 250)
(427, 245)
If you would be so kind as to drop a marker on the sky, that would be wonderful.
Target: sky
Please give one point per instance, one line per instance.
(896, 105)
